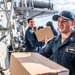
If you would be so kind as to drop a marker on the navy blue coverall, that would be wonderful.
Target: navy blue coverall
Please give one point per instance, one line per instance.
(56, 51)
(31, 42)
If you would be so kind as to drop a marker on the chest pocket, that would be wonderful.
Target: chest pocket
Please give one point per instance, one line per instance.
(69, 51)
(70, 48)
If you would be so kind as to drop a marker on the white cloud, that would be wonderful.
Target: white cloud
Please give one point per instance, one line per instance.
(38, 22)
(64, 5)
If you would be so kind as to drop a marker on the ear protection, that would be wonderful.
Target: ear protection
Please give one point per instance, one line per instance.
(73, 23)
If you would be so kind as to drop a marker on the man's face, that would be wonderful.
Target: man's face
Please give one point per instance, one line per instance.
(64, 25)
(31, 23)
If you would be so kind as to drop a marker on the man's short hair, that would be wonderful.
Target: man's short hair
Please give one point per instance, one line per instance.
(49, 23)
(29, 19)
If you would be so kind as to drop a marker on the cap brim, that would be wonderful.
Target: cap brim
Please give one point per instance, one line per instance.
(55, 17)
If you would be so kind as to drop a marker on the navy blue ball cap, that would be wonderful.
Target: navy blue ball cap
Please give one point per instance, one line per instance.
(64, 14)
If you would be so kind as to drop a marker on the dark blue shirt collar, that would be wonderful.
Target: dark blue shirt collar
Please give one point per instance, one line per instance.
(70, 38)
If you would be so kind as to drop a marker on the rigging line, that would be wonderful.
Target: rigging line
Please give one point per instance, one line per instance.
(1, 8)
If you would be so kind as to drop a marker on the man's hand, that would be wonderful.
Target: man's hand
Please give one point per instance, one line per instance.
(47, 40)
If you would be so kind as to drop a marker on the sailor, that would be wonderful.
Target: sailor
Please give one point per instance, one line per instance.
(31, 43)
(61, 48)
